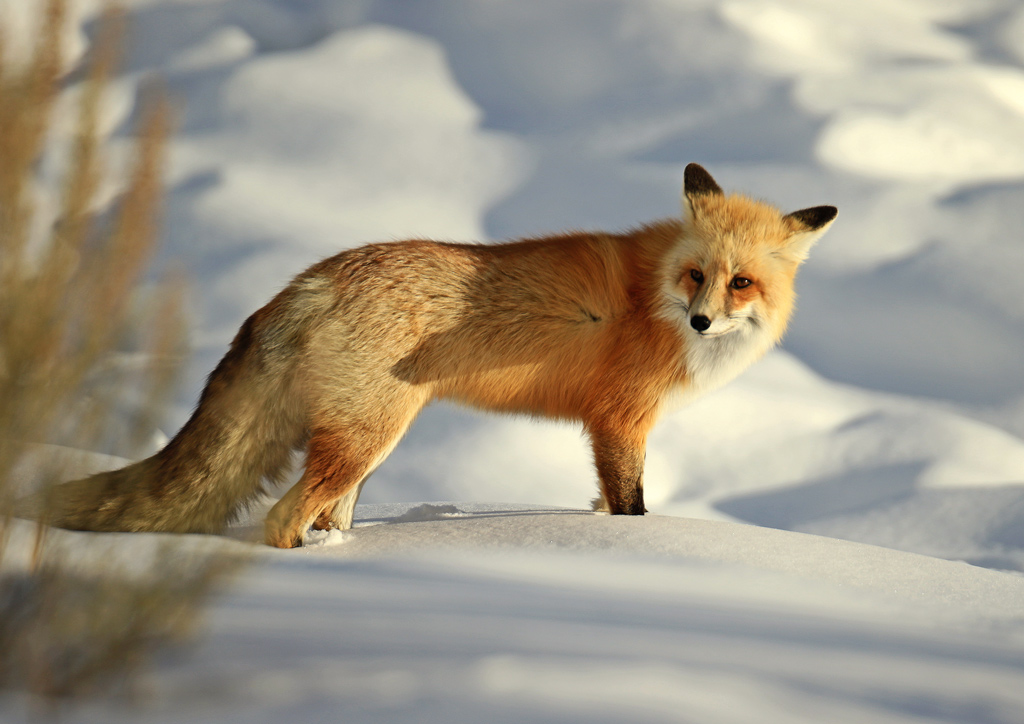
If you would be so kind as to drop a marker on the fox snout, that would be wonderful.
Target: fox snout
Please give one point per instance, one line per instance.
(714, 323)
(708, 320)
(721, 304)
(700, 322)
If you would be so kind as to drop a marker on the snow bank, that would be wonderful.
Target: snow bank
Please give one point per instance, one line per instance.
(504, 613)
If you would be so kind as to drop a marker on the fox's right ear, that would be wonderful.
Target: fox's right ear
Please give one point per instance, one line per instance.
(697, 182)
(808, 226)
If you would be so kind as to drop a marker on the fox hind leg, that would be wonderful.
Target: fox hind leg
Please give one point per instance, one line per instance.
(333, 471)
(338, 462)
(339, 516)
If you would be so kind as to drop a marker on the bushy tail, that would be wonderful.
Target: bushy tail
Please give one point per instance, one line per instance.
(249, 420)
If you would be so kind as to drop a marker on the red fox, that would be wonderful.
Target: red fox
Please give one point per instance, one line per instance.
(595, 328)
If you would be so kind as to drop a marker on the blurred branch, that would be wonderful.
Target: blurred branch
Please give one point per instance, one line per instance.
(69, 304)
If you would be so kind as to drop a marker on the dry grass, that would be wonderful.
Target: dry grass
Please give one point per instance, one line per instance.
(67, 634)
(69, 303)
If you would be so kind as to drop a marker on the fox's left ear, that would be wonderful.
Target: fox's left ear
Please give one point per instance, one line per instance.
(697, 182)
(808, 225)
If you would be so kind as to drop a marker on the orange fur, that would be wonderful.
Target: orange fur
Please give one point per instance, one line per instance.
(595, 328)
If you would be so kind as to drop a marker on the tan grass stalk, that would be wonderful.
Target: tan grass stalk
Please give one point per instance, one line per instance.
(69, 304)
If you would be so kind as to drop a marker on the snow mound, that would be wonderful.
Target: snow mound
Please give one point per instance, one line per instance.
(507, 613)
(907, 578)
(426, 512)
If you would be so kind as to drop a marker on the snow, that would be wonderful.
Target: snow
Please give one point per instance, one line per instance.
(473, 612)
(836, 536)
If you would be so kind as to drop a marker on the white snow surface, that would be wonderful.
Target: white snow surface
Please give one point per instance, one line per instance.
(837, 536)
(475, 612)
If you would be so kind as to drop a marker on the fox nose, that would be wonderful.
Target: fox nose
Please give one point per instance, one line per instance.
(700, 322)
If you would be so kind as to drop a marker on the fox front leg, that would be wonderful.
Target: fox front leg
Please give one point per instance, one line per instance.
(620, 469)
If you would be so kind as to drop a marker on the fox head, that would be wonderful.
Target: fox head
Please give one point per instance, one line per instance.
(733, 271)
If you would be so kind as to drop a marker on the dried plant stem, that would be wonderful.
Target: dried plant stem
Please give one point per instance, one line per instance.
(68, 302)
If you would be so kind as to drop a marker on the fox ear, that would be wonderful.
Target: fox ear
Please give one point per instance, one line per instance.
(697, 182)
(808, 225)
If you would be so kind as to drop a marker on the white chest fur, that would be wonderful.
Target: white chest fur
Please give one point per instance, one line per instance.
(711, 363)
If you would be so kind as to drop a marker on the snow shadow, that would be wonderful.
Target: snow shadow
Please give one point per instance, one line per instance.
(431, 512)
(980, 525)
(846, 493)
(905, 330)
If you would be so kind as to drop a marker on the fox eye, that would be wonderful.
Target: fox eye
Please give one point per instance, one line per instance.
(740, 283)
(696, 275)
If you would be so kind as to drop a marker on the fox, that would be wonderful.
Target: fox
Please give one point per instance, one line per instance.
(599, 329)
